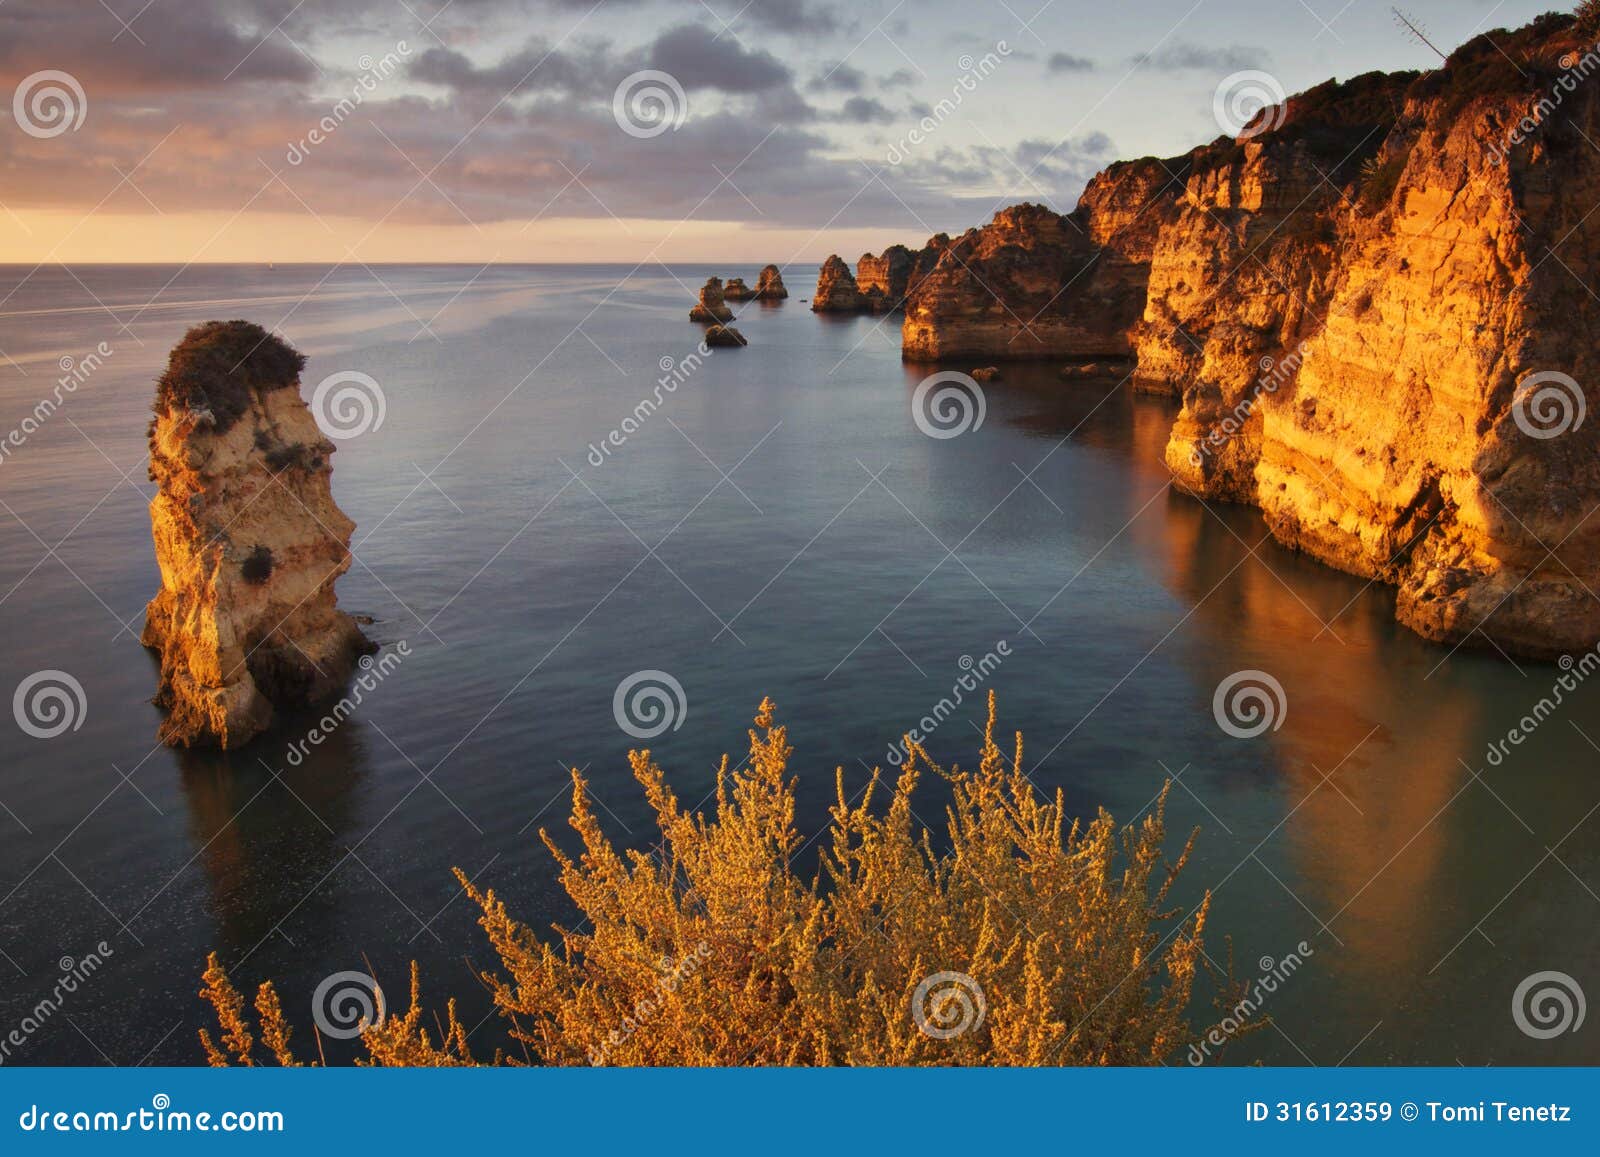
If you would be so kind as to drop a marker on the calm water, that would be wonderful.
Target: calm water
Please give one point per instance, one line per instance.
(820, 571)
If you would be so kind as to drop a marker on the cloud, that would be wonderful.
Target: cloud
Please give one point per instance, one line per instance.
(1066, 62)
(701, 59)
(841, 78)
(1187, 56)
(862, 110)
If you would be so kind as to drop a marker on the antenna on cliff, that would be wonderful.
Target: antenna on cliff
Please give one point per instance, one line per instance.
(1414, 30)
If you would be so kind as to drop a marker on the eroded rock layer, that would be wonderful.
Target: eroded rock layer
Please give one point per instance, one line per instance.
(248, 539)
(1373, 306)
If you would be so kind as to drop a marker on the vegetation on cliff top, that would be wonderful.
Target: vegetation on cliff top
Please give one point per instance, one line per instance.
(1027, 942)
(218, 365)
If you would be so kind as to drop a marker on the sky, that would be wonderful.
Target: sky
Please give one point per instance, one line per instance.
(621, 130)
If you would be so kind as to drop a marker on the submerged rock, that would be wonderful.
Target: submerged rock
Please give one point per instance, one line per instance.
(770, 287)
(724, 335)
(248, 539)
(711, 307)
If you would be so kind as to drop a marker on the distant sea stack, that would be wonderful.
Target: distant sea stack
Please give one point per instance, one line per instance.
(836, 289)
(711, 308)
(1373, 306)
(248, 539)
(737, 290)
(769, 286)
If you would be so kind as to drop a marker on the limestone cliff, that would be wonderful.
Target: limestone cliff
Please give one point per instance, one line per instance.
(1374, 306)
(248, 539)
(1036, 283)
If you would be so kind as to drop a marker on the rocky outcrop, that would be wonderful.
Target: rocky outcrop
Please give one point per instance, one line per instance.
(248, 539)
(737, 290)
(1373, 306)
(769, 286)
(725, 335)
(1035, 283)
(711, 307)
(836, 289)
(886, 278)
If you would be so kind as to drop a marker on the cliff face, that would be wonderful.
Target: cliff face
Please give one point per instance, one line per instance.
(1375, 311)
(248, 539)
(1034, 283)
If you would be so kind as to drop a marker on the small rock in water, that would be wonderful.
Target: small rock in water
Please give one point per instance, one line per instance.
(725, 335)
(986, 374)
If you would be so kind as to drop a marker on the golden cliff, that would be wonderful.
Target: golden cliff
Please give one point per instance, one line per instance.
(1374, 307)
(248, 539)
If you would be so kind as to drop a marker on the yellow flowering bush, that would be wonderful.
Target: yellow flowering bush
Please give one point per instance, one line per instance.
(1027, 942)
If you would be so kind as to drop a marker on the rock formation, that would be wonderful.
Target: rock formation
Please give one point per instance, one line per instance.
(1034, 283)
(737, 290)
(1373, 307)
(711, 308)
(770, 287)
(248, 539)
(836, 289)
(725, 335)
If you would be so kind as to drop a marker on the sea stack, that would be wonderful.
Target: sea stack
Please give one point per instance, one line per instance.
(737, 290)
(711, 308)
(770, 287)
(836, 289)
(248, 539)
